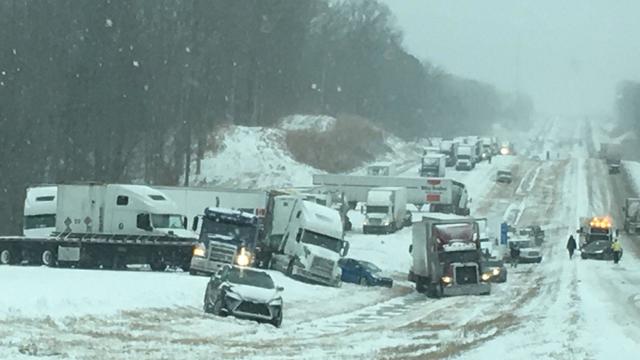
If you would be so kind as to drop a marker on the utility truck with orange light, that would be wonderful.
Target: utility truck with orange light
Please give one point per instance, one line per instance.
(595, 228)
(447, 258)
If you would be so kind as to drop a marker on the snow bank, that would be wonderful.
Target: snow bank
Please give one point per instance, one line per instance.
(253, 157)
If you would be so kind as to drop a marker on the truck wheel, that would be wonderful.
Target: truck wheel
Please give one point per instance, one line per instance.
(48, 258)
(420, 285)
(6, 258)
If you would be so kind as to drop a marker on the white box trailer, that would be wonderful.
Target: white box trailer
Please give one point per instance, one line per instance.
(192, 201)
(356, 188)
(447, 196)
(385, 210)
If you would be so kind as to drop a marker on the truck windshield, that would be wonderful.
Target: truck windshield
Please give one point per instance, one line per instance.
(377, 209)
(235, 233)
(324, 241)
(251, 278)
(40, 221)
(462, 156)
(431, 162)
(448, 257)
(167, 221)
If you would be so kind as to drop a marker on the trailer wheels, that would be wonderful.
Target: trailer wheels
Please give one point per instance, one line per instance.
(47, 258)
(6, 258)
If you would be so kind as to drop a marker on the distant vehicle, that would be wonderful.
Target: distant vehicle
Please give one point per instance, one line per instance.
(534, 232)
(433, 165)
(244, 293)
(487, 148)
(529, 252)
(466, 156)
(381, 169)
(495, 269)
(595, 228)
(363, 273)
(504, 176)
(385, 210)
(631, 211)
(535, 157)
(408, 215)
(612, 155)
(450, 149)
(599, 250)
(507, 149)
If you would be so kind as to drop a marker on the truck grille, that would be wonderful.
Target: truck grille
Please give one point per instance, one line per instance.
(322, 266)
(253, 308)
(375, 221)
(466, 275)
(221, 252)
(533, 253)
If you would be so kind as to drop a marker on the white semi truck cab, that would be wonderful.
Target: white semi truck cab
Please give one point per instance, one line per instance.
(466, 157)
(312, 240)
(385, 210)
(40, 211)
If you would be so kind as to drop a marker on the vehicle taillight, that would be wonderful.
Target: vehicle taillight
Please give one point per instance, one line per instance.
(433, 197)
(434, 181)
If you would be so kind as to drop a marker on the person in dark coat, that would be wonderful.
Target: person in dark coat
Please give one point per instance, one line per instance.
(515, 255)
(571, 246)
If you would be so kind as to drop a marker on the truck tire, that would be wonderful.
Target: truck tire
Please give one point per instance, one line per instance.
(6, 257)
(420, 284)
(48, 258)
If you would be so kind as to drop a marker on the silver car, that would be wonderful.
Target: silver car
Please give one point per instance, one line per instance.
(244, 293)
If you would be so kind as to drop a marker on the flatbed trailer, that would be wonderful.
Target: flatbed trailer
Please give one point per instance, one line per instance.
(109, 251)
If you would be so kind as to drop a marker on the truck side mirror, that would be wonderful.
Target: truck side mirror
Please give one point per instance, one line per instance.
(410, 248)
(194, 226)
(299, 235)
(184, 222)
(362, 209)
(345, 249)
(279, 289)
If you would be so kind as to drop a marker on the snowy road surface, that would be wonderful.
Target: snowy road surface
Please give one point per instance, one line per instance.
(559, 309)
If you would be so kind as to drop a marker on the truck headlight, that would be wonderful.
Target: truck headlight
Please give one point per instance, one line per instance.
(385, 223)
(199, 250)
(486, 276)
(243, 258)
(447, 279)
(495, 271)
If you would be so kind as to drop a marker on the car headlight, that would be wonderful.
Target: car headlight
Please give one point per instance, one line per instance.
(447, 279)
(199, 250)
(276, 302)
(495, 271)
(486, 276)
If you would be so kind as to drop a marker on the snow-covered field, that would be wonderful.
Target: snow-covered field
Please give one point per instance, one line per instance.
(559, 309)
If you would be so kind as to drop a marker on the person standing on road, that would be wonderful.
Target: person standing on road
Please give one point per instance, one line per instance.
(571, 246)
(617, 250)
(515, 255)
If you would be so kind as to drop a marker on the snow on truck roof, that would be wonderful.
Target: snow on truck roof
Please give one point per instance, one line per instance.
(446, 217)
(317, 218)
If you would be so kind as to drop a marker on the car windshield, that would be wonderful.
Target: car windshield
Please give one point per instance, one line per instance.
(230, 232)
(324, 241)
(166, 221)
(370, 267)
(598, 245)
(40, 221)
(250, 277)
(377, 209)
(431, 162)
(504, 173)
(594, 237)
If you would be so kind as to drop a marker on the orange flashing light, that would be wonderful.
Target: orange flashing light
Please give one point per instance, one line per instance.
(603, 222)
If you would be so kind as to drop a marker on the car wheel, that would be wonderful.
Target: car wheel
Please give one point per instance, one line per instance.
(363, 281)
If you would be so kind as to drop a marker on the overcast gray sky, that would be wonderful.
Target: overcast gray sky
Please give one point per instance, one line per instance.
(567, 54)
